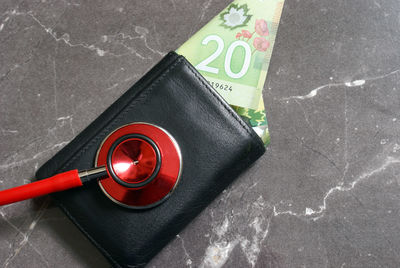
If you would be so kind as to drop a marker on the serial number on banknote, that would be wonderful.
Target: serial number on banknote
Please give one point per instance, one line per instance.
(220, 86)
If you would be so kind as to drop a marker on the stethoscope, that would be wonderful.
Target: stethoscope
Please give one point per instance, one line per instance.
(137, 166)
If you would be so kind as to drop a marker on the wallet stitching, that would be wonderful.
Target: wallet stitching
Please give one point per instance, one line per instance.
(118, 117)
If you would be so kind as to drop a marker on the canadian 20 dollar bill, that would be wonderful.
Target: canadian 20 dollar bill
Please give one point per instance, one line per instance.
(233, 52)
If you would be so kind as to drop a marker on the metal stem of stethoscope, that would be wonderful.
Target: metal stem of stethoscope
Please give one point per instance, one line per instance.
(124, 159)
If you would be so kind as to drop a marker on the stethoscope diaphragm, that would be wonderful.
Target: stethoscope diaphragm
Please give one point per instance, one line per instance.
(144, 165)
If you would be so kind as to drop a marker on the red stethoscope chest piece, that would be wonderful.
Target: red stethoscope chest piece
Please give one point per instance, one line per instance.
(143, 164)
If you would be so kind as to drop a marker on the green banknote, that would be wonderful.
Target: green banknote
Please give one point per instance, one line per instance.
(233, 53)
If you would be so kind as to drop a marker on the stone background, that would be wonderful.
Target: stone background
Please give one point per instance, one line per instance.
(326, 193)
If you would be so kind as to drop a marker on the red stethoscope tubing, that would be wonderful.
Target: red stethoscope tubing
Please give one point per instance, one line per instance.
(57, 183)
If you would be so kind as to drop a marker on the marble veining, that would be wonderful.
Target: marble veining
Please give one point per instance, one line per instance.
(326, 193)
(355, 83)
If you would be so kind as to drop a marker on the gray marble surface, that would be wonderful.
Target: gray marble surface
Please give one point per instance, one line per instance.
(326, 193)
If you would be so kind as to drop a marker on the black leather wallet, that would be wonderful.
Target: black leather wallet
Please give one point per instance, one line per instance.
(216, 145)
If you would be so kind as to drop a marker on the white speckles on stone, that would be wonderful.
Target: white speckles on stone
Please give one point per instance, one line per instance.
(64, 118)
(396, 148)
(229, 233)
(384, 141)
(252, 249)
(32, 225)
(309, 211)
(222, 229)
(355, 83)
(100, 52)
(394, 119)
(217, 254)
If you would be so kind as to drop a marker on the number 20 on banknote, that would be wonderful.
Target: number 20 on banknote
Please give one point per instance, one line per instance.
(232, 51)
